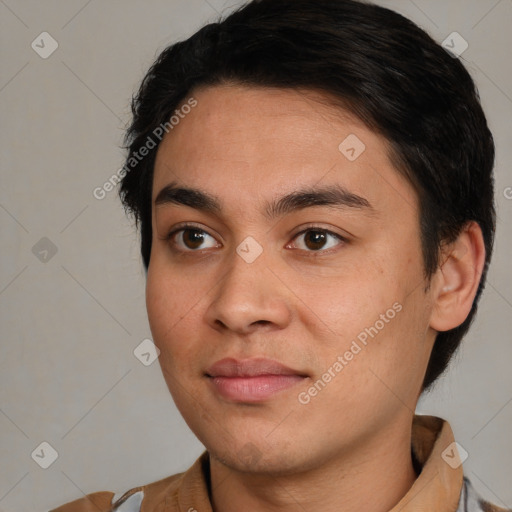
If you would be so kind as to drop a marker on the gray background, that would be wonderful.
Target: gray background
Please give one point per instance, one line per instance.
(68, 375)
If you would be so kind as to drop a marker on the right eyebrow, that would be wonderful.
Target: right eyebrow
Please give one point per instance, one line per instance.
(194, 198)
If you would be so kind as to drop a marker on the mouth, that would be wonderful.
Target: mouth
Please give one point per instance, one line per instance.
(251, 380)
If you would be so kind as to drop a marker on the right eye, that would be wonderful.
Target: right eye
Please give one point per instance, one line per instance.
(190, 239)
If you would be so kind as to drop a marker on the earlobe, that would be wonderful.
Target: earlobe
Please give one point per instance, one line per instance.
(457, 279)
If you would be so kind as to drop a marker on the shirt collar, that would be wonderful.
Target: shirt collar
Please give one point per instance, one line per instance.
(439, 484)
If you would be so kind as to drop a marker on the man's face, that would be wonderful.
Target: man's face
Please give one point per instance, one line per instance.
(335, 293)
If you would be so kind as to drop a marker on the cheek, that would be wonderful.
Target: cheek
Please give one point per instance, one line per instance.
(346, 304)
(166, 311)
(159, 304)
(397, 351)
(171, 297)
(376, 319)
(174, 303)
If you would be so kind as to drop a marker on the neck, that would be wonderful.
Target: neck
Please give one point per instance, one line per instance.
(373, 477)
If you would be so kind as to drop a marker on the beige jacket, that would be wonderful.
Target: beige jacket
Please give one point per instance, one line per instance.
(440, 487)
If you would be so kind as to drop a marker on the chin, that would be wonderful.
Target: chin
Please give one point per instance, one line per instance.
(259, 457)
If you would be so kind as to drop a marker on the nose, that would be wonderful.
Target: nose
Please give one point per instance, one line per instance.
(249, 297)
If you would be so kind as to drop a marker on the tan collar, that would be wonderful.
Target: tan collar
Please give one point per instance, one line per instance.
(438, 486)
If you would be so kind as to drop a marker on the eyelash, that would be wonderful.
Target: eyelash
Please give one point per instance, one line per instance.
(312, 253)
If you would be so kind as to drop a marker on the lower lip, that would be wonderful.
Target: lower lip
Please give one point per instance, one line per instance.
(253, 389)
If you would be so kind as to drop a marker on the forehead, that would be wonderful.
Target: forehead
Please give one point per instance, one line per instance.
(249, 142)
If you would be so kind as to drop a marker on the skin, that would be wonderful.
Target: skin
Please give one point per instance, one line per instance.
(349, 447)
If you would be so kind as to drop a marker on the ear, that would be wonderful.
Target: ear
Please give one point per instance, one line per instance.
(456, 281)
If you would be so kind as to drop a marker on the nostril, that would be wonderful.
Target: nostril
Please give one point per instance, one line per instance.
(220, 323)
(262, 322)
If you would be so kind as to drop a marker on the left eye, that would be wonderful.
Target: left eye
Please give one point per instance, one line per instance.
(318, 239)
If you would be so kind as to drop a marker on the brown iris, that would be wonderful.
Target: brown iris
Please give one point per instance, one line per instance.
(314, 239)
(193, 238)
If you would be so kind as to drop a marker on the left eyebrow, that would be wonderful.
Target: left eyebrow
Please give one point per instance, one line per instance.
(332, 195)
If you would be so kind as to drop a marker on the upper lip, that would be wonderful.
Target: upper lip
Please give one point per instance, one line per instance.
(231, 367)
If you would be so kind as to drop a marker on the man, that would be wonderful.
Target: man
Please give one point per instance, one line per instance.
(313, 185)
